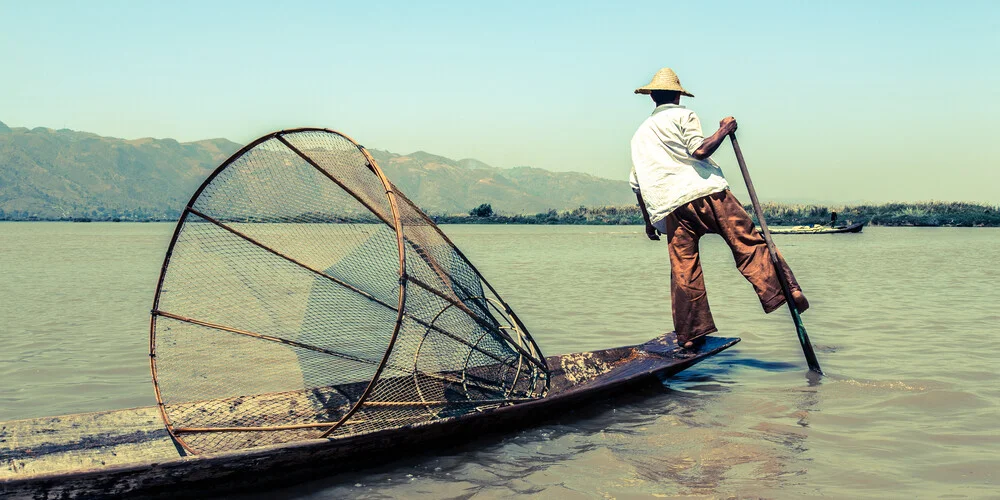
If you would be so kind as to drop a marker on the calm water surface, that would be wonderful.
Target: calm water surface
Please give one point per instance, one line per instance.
(905, 323)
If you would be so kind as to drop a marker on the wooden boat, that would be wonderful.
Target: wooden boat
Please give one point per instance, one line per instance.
(309, 317)
(129, 452)
(817, 229)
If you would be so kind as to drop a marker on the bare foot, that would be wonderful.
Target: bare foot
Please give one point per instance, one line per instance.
(800, 300)
(694, 342)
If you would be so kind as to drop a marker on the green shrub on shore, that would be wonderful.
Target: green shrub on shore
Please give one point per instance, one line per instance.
(932, 214)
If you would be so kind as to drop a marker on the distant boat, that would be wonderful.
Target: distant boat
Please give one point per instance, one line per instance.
(818, 229)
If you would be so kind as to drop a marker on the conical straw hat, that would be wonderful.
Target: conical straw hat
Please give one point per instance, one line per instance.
(665, 79)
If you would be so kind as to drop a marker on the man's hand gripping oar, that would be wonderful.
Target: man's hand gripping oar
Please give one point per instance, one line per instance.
(807, 347)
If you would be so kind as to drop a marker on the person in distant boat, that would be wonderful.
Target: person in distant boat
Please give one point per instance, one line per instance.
(833, 218)
(683, 194)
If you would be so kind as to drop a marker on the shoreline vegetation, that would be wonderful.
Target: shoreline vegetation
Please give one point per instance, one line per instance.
(923, 214)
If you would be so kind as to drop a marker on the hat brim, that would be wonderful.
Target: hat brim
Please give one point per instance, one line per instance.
(647, 91)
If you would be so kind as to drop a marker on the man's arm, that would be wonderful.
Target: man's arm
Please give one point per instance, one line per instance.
(651, 231)
(712, 142)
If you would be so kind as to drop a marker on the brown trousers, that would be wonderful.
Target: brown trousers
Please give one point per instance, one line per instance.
(722, 214)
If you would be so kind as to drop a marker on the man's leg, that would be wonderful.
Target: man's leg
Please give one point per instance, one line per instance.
(689, 301)
(750, 252)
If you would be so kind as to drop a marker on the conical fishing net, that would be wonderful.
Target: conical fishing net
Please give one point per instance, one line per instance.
(303, 297)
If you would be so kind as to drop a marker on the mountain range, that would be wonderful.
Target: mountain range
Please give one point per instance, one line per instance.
(63, 174)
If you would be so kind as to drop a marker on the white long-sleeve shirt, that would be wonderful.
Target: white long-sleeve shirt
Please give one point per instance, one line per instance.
(663, 167)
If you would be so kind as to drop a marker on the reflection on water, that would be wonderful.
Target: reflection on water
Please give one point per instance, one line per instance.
(774, 366)
(908, 341)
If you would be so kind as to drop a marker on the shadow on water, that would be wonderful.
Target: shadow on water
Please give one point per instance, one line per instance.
(502, 461)
(773, 366)
(729, 360)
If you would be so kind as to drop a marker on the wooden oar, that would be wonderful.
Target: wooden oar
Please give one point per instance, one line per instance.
(807, 347)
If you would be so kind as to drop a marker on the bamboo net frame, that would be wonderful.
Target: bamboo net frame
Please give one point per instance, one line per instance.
(303, 296)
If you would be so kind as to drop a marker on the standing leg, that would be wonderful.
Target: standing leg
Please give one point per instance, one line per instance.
(750, 251)
(688, 298)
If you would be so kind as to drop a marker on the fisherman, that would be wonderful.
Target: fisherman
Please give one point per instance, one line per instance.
(683, 194)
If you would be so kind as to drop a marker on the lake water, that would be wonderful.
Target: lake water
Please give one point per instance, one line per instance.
(905, 322)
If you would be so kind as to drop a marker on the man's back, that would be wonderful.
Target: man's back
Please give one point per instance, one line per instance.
(663, 166)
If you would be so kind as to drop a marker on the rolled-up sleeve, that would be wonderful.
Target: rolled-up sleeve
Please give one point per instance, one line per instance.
(692, 135)
(633, 181)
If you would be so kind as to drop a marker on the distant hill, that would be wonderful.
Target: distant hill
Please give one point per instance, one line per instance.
(47, 173)
(61, 174)
(442, 185)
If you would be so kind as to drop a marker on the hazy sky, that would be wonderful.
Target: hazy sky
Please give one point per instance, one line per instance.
(837, 101)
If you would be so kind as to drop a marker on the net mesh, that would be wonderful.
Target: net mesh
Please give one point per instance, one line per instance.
(304, 297)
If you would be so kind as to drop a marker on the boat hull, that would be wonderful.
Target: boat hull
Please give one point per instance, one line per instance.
(853, 228)
(128, 452)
